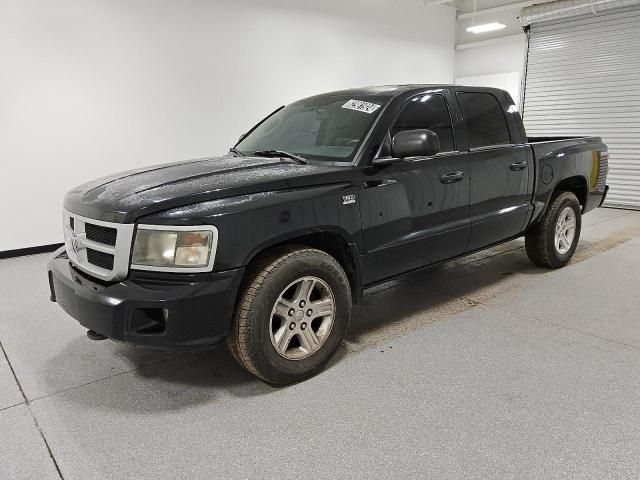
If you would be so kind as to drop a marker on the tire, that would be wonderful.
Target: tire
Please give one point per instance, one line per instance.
(540, 242)
(268, 336)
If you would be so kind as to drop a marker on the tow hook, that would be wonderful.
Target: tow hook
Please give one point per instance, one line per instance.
(93, 335)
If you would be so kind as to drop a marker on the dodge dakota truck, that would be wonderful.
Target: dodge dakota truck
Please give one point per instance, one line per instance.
(268, 246)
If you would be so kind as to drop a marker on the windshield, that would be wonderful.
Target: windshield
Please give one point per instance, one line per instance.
(325, 127)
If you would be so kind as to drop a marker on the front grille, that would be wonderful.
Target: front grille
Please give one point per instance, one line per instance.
(98, 248)
(100, 259)
(104, 235)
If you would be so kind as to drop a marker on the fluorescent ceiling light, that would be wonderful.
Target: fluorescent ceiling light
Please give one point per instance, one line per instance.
(486, 27)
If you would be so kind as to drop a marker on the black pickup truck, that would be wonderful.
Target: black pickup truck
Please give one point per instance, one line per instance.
(268, 246)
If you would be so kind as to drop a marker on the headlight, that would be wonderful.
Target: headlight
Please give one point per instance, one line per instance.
(174, 248)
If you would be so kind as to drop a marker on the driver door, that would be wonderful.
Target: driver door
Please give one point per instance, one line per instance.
(415, 212)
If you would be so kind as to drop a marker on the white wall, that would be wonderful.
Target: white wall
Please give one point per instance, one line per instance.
(497, 65)
(506, 56)
(91, 87)
(509, 81)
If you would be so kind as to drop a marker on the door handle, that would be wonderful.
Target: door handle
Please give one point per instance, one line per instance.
(373, 182)
(521, 165)
(452, 177)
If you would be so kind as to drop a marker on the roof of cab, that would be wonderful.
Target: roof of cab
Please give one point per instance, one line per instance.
(385, 90)
(396, 90)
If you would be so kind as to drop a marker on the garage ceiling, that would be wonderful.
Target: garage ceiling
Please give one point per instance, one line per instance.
(486, 11)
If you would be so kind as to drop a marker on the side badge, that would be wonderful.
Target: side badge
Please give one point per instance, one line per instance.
(349, 199)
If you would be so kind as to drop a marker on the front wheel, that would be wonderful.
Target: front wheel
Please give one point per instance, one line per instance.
(552, 242)
(291, 316)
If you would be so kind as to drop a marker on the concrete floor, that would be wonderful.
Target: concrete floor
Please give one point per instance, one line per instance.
(486, 367)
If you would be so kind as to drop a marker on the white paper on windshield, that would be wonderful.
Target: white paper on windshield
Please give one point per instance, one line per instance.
(361, 106)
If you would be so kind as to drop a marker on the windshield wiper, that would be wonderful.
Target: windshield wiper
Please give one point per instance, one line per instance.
(236, 151)
(282, 154)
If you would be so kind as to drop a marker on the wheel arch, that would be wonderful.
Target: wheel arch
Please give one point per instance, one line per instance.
(577, 184)
(332, 241)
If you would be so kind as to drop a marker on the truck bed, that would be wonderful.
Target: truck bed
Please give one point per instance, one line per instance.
(552, 139)
(580, 162)
(544, 146)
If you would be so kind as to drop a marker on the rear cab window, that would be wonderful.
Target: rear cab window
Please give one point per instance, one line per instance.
(485, 122)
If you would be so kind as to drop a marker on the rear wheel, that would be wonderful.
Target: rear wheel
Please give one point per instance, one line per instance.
(552, 242)
(292, 315)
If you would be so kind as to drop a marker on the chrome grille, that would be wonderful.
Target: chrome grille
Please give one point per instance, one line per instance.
(98, 248)
(105, 235)
(100, 259)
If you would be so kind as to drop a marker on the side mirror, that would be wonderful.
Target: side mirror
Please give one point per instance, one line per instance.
(415, 143)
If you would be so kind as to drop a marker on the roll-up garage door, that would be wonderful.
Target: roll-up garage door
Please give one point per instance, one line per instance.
(583, 78)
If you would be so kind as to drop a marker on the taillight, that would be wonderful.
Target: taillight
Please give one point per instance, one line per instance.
(604, 157)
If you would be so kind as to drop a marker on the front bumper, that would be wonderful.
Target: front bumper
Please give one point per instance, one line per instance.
(163, 311)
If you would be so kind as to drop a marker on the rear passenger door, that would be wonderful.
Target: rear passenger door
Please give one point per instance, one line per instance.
(498, 171)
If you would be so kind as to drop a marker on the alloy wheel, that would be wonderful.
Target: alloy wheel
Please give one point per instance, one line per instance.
(302, 317)
(565, 230)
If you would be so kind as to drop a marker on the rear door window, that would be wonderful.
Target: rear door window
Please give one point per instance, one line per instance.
(485, 121)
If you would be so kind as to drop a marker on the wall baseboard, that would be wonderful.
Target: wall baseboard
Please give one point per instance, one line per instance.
(20, 252)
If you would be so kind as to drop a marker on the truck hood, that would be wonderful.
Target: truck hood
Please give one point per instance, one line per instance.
(127, 196)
